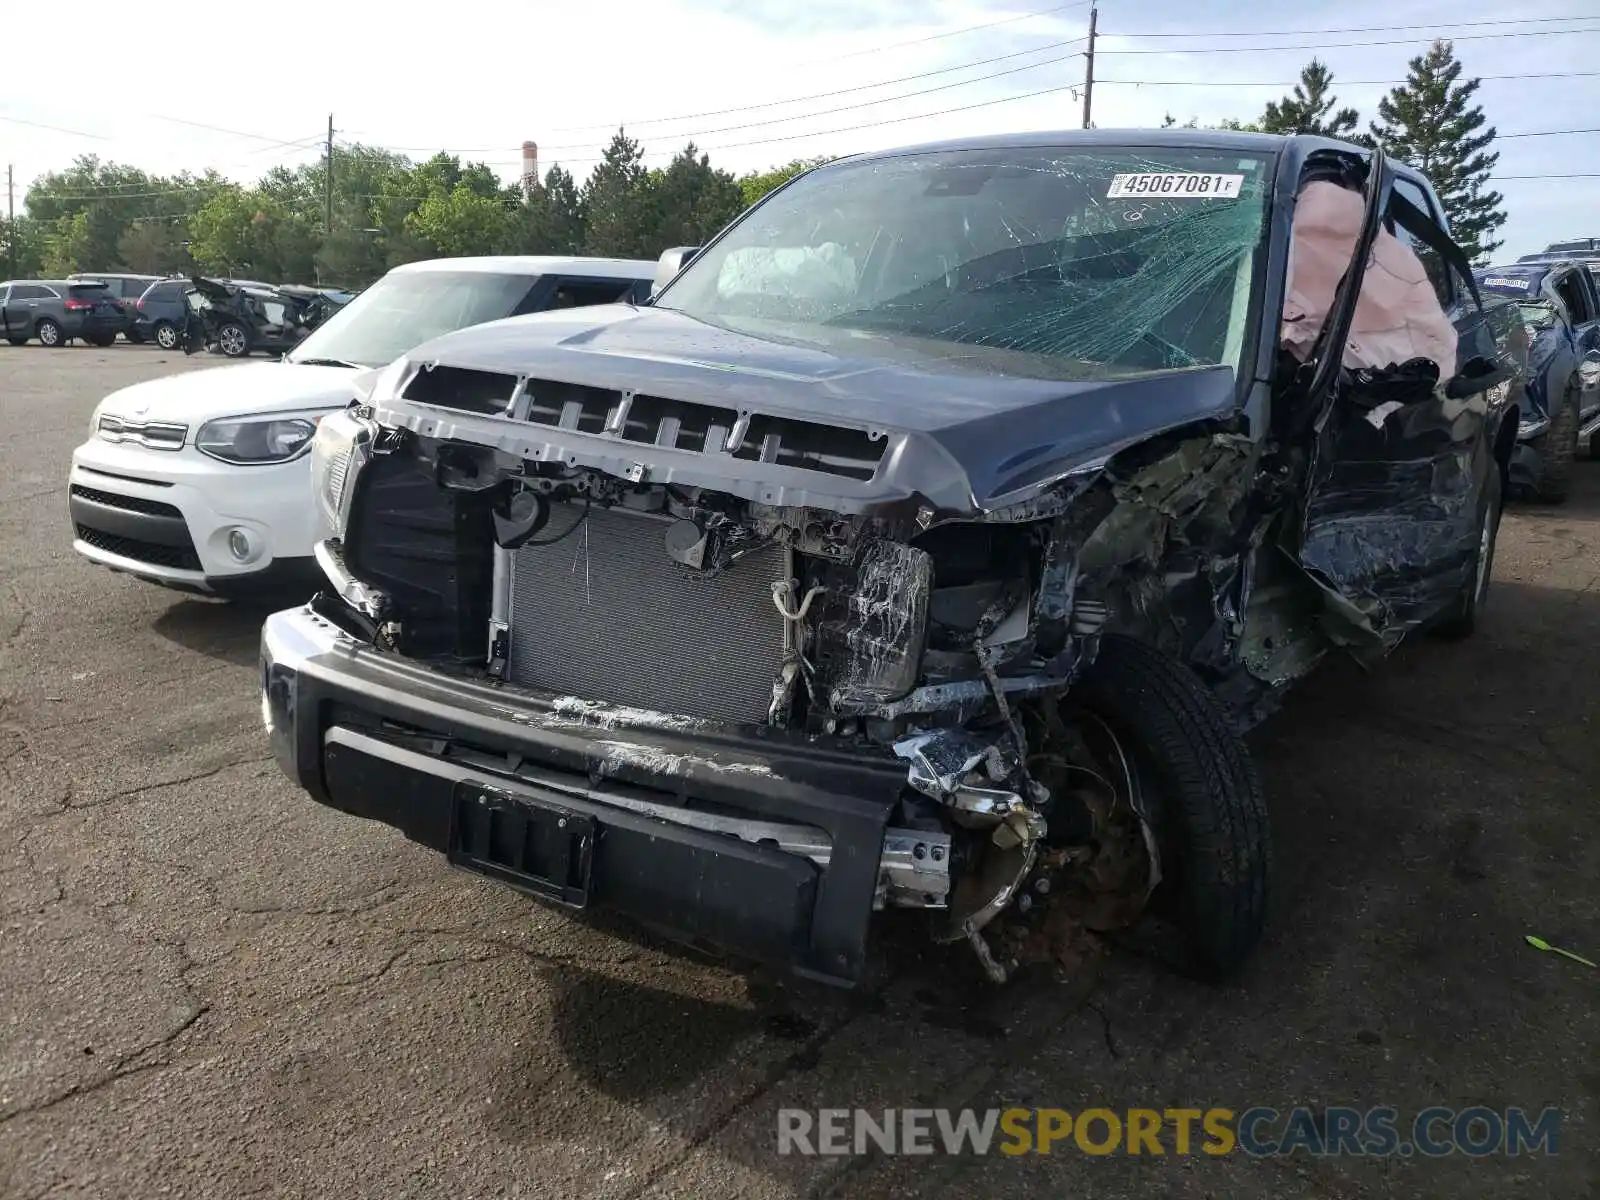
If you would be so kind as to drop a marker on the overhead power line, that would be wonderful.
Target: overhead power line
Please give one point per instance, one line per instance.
(1280, 83)
(934, 37)
(807, 116)
(1221, 33)
(724, 112)
(1466, 37)
(99, 137)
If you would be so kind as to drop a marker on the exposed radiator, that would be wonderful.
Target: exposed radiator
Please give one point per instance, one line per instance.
(604, 614)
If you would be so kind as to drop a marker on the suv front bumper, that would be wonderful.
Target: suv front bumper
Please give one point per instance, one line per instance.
(167, 516)
(773, 848)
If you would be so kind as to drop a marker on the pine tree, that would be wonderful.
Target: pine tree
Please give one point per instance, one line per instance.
(617, 212)
(1428, 123)
(1310, 109)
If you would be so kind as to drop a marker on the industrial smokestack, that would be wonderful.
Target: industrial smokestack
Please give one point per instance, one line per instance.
(530, 168)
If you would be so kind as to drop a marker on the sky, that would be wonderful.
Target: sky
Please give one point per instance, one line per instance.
(759, 82)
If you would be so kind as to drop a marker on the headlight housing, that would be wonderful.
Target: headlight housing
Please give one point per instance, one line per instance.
(337, 453)
(255, 441)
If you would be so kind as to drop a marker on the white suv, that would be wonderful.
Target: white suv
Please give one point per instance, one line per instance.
(201, 481)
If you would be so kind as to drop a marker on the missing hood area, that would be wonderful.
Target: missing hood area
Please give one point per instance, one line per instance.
(701, 586)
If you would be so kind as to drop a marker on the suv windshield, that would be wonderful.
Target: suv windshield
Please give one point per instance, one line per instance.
(1058, 262)
(408, 308)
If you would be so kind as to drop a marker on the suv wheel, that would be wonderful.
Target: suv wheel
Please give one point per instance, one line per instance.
(166, 335)
(49, 333)
(232, 340)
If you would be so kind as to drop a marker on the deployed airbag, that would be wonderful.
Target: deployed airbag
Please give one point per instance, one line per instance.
(1398, 316)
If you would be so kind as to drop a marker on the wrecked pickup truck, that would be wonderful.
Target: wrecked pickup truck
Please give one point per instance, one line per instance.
(1559, 303)
(928, 542)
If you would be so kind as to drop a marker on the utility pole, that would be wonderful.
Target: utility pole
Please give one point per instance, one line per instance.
(11, 223)
(327, 181)
(1088, 72)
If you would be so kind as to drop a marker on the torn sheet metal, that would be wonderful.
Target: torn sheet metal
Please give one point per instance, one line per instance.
(1391, 528)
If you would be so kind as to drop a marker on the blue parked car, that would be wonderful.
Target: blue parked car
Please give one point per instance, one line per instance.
(1560, 304)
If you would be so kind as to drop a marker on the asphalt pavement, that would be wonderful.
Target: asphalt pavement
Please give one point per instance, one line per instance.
(211, 986)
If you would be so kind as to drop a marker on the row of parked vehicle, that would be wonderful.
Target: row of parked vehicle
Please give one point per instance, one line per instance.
(1556, 292)
(234, 317)
(928, 539)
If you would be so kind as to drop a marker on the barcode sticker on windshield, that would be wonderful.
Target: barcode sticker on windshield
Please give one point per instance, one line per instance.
(1185, 185)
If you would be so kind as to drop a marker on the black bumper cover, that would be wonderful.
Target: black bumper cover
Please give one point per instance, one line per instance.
(332, 707)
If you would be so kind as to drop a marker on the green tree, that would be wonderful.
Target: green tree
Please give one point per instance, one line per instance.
(757, 184)
(88, 208)
(691, 200)
(253, 234)
(22, 247)
(1429, 122)
(462, 221)
(551, 222)
(1310, 108)
(153, 246)
(617, 205)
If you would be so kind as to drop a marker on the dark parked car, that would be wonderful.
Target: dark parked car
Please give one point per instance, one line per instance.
(926, 542)
(1560, 304)
(126, 289)
(239, 319)
(160, 313)
(57, 310)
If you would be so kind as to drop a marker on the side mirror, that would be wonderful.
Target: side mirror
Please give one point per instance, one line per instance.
(669, 264)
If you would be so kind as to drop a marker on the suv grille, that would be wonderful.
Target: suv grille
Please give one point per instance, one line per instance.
(138, 504)
(177, 558)
(156, 435)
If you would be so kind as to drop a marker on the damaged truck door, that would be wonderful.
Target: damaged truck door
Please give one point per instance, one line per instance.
(929, 540)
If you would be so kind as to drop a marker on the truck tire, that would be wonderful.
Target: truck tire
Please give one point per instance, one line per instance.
(1203, 795)
(1559, 446)
(1462, 621)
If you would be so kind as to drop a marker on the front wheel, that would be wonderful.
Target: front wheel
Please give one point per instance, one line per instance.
(100, 340)
(17, 341)
(1558, 447)
(1201, 793)
(232, 340)
(1462, 620)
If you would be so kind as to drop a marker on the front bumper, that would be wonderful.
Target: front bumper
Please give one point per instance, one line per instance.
(771, 848)
(167, 516)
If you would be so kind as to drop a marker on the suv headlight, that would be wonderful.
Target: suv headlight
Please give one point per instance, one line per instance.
(252, 441)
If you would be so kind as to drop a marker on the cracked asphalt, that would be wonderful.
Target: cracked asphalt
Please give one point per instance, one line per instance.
(210, 986)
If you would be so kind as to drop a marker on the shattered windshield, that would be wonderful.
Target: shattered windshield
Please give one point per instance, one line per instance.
(1056, 262)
